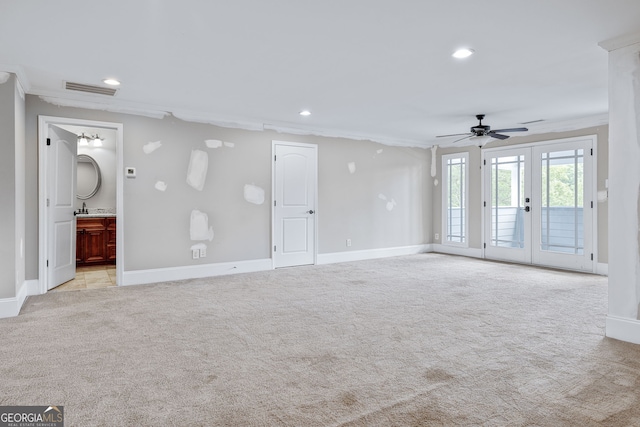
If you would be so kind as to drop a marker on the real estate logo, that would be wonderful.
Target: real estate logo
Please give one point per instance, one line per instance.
(31, 416)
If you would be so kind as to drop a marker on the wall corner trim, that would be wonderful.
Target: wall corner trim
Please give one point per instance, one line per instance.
(602, 269)
(347, 256)
(141, 277)
(10, 307)
(623, 329)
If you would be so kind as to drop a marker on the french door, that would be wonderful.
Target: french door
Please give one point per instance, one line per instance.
(539, 204)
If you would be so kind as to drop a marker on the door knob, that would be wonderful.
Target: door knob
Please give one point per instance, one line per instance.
(527, 208)
(310, 211)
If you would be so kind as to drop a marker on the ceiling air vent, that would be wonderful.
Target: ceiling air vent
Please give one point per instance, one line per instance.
(99, 90)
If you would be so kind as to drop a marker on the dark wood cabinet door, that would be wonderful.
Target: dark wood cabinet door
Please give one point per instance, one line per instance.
(94, 246)
(96, 241)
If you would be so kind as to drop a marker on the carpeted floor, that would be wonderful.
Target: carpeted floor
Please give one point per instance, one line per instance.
(424, 340)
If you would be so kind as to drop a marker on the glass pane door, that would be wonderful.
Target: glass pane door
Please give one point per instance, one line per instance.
(563, 220)
(539, 204)
(508, 228)
(562, 203)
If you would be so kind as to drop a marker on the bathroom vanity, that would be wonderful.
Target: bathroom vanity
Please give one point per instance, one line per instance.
(96, 240)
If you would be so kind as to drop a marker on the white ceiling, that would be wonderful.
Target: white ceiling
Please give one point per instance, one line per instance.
(365, 68)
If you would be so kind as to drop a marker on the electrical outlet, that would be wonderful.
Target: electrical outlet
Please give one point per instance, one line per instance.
(348, 243)
(203, 252)
(437, 236)
(195, 253)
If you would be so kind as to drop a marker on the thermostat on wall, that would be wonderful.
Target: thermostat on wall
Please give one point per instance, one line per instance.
(130, 172)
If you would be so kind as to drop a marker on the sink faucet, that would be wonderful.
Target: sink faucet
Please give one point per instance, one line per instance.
(84, 207)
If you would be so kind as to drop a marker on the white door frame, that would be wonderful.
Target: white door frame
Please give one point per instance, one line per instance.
(274, 143)
(43, 133)
(594, 184)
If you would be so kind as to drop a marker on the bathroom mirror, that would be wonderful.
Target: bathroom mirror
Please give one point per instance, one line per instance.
(88, 177)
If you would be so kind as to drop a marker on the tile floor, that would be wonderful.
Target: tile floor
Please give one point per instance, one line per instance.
(93, 277)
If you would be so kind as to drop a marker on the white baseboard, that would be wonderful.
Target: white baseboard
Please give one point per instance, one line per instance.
(623, 329)
(139, 277)
(457, 250)
(348, 256)
(602, 269)
(10, 307)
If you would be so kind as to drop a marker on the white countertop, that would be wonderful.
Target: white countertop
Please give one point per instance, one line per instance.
(95, 215)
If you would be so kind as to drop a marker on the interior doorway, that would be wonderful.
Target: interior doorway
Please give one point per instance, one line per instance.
(539, 204)
(295, 182)
(80, 187)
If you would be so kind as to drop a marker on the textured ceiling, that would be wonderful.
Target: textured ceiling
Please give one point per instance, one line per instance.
(365, 68)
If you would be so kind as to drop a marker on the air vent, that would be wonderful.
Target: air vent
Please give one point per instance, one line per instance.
(99, 90)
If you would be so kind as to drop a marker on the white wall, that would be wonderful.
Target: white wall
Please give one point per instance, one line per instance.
(12, 186)
(624, 189)
(157, 223)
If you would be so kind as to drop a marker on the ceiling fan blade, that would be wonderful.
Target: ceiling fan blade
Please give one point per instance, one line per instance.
(492, 134)
(466, 137)
(454, 134)
(511, 130)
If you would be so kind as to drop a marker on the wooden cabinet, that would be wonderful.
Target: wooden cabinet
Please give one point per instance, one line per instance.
(96, 241)
(111, 239)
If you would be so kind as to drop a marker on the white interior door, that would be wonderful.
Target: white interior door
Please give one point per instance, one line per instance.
(61, 195)
(294, 204)
(539, 204)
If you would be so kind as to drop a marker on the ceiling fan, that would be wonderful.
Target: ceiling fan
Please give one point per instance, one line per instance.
(484, 130)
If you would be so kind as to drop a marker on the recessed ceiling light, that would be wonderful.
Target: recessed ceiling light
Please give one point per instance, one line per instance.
(305, 113)
(463, 53)
(112, 82)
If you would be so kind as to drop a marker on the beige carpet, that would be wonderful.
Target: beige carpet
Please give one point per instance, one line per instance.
(424, 340)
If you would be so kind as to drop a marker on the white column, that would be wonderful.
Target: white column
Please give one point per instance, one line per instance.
(624, 188)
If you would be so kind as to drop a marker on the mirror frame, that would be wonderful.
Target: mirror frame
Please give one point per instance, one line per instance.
(84, 158)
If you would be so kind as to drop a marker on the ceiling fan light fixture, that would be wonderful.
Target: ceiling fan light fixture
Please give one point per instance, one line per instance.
(481, 140)
(463, 53)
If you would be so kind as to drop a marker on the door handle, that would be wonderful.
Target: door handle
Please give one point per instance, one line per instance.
(310, 211)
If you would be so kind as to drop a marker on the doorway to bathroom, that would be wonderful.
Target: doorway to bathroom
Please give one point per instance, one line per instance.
(80, 204)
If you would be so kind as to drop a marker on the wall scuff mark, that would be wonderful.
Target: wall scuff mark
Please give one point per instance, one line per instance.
(161, 186)
(390, 203)
(253, 194)
(198, 165)
(4, 77)
(229, 144)
(352, 167)
(200, 229)
(213, 143)
(151, 147)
